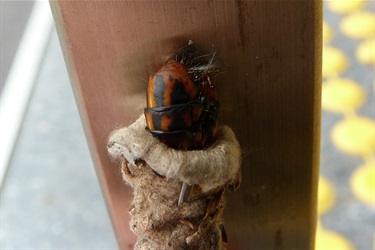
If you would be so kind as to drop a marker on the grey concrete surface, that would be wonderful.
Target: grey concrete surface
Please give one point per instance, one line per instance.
(51, 197)
(13, 18)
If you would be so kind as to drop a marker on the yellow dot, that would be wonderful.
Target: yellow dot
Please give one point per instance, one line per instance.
(344, 6)
(355, 135)
(329, 240)
(366, 51)
(342, 95)
(327, 33)
(334, 61)
(326, 196)
(359, 25)
(362, 183)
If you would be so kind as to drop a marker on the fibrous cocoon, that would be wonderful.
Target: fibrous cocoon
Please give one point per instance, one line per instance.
(156, 173)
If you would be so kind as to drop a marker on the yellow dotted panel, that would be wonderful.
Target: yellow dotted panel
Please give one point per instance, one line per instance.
(365, 52)
(342, 95)
(359, 25)
(362, 183)
(352, 135)
(327, 33)
(326, 196)
(329, 240)
(344, 6)
(355, 135)
(334, 61)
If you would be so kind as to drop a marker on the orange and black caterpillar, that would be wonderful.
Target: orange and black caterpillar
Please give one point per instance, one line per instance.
(182, 108)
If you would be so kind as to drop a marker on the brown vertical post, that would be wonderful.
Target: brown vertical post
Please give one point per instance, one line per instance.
(269, 94)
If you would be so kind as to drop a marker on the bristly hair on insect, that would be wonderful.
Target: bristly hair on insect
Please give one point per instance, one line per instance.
(197, 63)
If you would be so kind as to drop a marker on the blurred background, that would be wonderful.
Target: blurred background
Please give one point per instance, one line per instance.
(347, 183)
(50, 195)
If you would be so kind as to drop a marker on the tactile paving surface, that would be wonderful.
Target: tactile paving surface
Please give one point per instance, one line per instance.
(347, 183)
